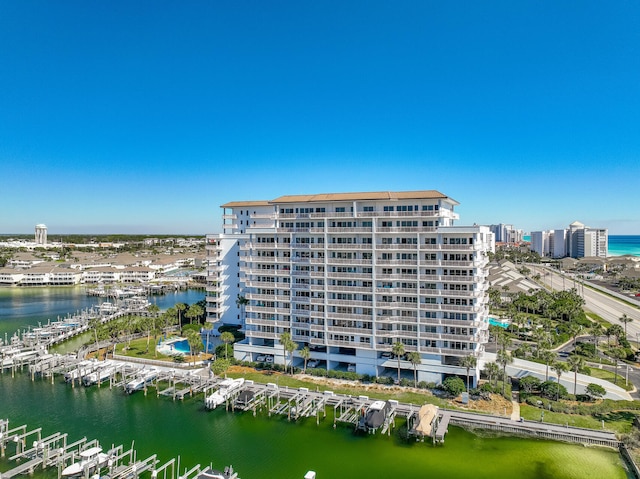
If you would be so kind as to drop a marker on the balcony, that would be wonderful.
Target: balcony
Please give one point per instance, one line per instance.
(262, 334)
(363, 229)
(341, 330)
(406, 229)
(229, 217)
(349, 246)
(397, 319)
(397, 246)
(268, 322)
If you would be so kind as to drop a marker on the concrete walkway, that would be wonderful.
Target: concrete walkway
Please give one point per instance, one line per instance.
(515, 413)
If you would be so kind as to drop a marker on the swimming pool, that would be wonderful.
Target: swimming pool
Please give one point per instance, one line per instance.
(173, 346)
(495, 322)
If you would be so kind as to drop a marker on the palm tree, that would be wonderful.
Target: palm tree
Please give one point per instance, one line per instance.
(575, 363)
(415, 359)
(398, 350)
(547, 357)
(289, 346)
(195, 343)
(618, 354)
(491, 370)
(597, 330)
(624, 319)
(180, 307)
(194, 311)
(153, 309)
(227, 338)
(559, 367)
(305, 354)
(503, 358)
(469, 362)
(574, 332)
(242, 302)
(148, 323)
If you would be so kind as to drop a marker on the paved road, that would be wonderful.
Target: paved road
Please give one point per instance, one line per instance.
(605, 306)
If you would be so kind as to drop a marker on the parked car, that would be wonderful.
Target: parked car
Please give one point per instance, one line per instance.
(313, 363)
(351, 368)
(386, 355)
(268, 359)
(261, 358)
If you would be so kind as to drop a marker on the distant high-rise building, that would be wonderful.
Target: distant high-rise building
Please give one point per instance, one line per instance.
(506, 233)
(41, 234)
(541, 242)
(577, 241)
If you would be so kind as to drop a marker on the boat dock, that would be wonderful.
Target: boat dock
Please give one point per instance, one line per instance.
(298, 403)
(82, 455)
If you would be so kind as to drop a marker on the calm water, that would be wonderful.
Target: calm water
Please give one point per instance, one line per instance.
(620, 245)
(264, 447)
(23, 307)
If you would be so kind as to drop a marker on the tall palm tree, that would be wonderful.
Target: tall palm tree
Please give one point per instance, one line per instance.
(180, 307)
(618, 354)
(624, 319)
(289, 347)
(558, 367)
(195, 343)
(503, 358)
(575, 363)
(305, 354)
(469, 362)
(242, 302)
(597, 330)
(415, 360)
(574, 331)
(227, 338)
(194, 311)
(491, 370)
(153, 309)
(547, 357)
(398, 350)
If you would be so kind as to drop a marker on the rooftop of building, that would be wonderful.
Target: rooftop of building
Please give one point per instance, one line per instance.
(354, 196)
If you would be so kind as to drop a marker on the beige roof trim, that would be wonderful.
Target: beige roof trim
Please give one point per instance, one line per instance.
(363, 196)
(238, 204)
(377, 195)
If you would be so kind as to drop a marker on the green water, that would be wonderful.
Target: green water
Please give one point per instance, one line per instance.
(258, 447)
(262, 447)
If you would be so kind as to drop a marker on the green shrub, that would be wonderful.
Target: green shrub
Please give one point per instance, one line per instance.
(453, 385)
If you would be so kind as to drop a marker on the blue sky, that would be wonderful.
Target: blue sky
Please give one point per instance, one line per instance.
(144, 117)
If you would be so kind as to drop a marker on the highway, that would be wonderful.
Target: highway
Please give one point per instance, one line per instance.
(605, 306)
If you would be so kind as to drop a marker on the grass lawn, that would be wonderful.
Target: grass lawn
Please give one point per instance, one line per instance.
(138, 349)
(392, 393)
(609, 376)
(619, 421)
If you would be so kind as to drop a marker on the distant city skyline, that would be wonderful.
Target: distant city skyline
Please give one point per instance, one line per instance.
(145, 117)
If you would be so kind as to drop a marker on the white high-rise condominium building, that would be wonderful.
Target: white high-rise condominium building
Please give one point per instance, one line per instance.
(578, 241)
(348, 275)
(41, 234)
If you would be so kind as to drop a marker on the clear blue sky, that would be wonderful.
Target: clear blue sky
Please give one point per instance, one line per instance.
(145, 116)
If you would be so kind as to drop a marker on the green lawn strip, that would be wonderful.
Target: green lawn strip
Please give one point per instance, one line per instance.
(609, 376)
(137, 349)
(401, 396)
(597, 319)
(619, 421)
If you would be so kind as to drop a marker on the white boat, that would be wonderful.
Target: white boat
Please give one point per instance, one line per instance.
(108, 308)
(225, 389)
(98, 376)
(82, 368)
(142, 379)
(210, 473)
(90, 460)
(18, 358)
